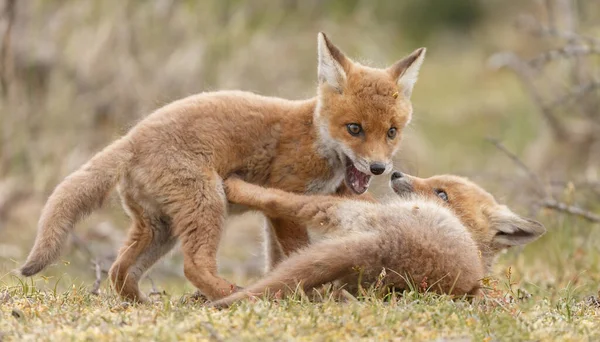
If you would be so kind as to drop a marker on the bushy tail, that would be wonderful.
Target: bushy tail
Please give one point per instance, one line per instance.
(77, 196)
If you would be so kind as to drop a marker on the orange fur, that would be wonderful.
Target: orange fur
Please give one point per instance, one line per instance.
(169, 168)
(416, 237)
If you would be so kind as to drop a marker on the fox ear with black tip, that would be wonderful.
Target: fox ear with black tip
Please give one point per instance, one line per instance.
(333, 64)
(406, 71)
(514, 230)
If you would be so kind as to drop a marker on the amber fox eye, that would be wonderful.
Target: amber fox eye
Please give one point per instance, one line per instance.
(392, 132)
(354, 129)
(441, 194)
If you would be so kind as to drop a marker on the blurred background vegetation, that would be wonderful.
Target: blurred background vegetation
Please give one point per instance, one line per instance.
(77, 74)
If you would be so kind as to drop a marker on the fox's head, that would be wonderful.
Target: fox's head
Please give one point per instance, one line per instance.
(362, 111)
(492, 226)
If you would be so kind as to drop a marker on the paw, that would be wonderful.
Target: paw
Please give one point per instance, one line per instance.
(196, 297)
(233, 181)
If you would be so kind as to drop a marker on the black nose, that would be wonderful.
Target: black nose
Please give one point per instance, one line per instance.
(397, 175)
(377, 168)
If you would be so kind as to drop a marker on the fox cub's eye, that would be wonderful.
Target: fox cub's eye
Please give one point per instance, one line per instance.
(354, 129)
(441, 194)
(392, 133)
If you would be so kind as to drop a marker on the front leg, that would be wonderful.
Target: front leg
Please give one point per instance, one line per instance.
(302, 209)
(289, 215)
(285, 237)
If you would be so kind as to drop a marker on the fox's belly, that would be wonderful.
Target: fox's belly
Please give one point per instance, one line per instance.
(237, 209)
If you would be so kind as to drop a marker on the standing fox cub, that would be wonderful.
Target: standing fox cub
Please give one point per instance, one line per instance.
(444, 228)
(170, 167)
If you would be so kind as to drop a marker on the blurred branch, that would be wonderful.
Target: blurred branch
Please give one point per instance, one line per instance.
(96, 288)
(575, 94)
(155, 291)
(548, 202)
(9, 15)
(570, 209)
(532, 26)
(565, 51)
(524, 72)
(82, 245)
(521, 164)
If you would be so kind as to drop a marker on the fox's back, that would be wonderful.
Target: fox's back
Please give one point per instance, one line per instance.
(228, 130)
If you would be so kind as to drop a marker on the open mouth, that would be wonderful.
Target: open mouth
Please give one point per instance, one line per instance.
(356, 180)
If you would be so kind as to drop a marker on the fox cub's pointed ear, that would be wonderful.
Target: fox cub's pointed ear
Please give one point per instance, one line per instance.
(514, 230)
(406, 71)
(333, 65)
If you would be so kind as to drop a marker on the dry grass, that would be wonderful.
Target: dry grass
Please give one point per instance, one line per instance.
(504, 314)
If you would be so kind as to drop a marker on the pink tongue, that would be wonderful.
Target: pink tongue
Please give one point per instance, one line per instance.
(358, 180)
(362, 178)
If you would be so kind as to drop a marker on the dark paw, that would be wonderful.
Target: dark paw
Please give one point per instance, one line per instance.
(196, 297)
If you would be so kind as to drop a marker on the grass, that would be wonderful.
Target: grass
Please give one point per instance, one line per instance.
(544, 292)
(75, 314)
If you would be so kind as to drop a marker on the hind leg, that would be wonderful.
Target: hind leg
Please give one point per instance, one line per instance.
(148, 240)
(162, 242)
(198, 219)
(124, 282)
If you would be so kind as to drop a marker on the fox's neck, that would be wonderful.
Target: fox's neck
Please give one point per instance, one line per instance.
(306, 116)
(311, 164)
(325, 145)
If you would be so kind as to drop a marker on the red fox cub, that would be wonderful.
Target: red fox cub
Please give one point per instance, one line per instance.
(169, 168)
(445, 228)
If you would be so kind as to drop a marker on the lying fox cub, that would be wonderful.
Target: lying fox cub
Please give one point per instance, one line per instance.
(445, 228)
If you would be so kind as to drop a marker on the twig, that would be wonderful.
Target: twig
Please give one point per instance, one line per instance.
(81, 245)
(565, 51)
(525, 73)
(520, 164)
(574, 94)
(9, 13)
(211, 330)
(155, 291)
(96, 288)
(532, 26)
(570, 209)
